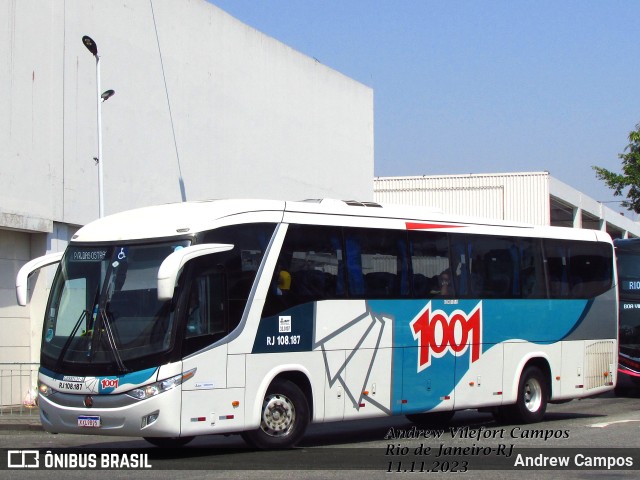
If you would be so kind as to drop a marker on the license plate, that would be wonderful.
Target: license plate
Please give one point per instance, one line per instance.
(89, 421)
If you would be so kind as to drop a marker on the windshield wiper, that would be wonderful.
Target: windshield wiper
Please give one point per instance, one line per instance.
(111, 339)
(70, 338)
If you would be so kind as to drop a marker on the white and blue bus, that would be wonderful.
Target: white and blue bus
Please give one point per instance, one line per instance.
(260, 317)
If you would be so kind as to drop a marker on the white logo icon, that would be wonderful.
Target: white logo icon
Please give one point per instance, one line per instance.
(23, 459)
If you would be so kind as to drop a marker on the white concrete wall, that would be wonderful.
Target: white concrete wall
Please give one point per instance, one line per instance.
(15, 250)
(251, 117)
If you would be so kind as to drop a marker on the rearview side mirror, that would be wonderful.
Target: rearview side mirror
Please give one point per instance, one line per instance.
(172, 265)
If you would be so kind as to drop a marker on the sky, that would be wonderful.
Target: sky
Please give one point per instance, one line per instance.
(464, 86)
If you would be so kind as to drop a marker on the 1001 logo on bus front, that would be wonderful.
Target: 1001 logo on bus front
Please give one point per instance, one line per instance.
(439, 333)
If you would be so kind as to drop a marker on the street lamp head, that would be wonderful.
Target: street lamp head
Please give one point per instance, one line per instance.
(107, 94)
(91, 45)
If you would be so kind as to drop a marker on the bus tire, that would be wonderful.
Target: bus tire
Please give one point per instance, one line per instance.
(533, 396)
(169, 442)
(284, 417)
(431, 419)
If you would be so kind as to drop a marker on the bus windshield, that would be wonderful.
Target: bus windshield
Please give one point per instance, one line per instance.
(104, 314)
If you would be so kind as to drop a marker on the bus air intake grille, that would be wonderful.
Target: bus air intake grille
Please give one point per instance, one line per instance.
(600, 360)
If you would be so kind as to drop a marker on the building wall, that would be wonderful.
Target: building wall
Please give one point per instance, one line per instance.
(518, 197)
(15, 250)
(530, 197)
(236, 112)
(205, 107)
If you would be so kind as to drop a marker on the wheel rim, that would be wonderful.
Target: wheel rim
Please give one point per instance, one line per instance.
(278, 415)
(532, 395)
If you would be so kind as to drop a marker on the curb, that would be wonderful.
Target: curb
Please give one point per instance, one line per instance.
(21, 426)
(25, 420)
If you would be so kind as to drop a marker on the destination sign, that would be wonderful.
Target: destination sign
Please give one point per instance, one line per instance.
(87, 255)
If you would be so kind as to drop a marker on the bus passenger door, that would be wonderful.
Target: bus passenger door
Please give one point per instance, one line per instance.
(207, 398)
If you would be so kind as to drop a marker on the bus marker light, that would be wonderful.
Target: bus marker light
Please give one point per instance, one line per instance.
(361, 405)
(235, 404)
(471, 384)
(579, 386)
(558, 377)
(405, 401)
(366, 392)
(497, 393)
(149, 419)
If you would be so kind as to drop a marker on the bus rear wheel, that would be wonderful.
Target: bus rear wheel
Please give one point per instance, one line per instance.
(533, 396)
(283, 419)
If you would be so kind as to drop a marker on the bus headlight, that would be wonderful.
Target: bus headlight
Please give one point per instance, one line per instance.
(45, 390)
(156, 388)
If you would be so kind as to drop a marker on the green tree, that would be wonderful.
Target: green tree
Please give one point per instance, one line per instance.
(630, 176)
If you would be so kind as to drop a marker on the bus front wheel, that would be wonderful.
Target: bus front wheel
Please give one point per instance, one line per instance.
(283, 419)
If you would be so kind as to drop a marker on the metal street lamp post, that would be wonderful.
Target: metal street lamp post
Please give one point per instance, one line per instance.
(100, 97)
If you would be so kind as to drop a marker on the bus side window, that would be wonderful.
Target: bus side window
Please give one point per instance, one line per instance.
(493, 267)
(429, 262)
(242, 263)
(556, 257)
(460, 265)
(309, 268)
(578, 269)
(377, 263)
(206, 308)
(532, 278)
(590, 267)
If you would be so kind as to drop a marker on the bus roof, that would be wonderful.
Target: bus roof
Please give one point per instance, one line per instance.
(179, 219)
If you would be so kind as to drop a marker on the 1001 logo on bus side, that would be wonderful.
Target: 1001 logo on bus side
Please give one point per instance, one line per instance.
(439, 333)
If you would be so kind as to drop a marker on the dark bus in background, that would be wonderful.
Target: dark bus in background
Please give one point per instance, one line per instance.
(628, 257)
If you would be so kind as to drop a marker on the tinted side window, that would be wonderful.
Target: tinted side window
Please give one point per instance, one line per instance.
(241, 264)
(493, 267)
(556, 258)
(377, 263)
(578, 269)
(206, 308)
(483, 266)
(310, 267)
(591, 269)
(460, 265)
(533, 283)
(430, 265)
